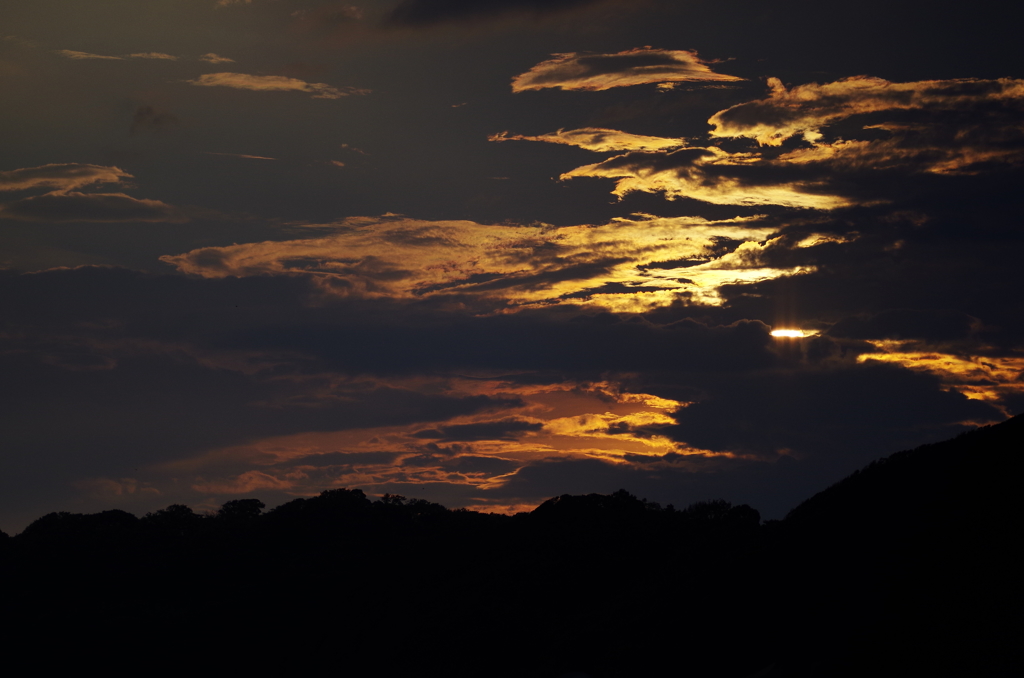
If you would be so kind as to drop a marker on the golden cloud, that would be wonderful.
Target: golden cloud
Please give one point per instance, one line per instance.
(701, 174)
(274, 83)
(215, 59)
(629, 264)
(596, 72)
(74, 54)
(938, 156)
(805, 109)
(72, 206)
(571, 420)
(977, 376)
(62, 177)
(598, 139)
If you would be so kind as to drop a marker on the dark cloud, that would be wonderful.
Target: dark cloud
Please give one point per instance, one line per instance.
(72, 206)
(938, 325)
(427, 12)
(847, 413)
(506, 429)
(152, 119)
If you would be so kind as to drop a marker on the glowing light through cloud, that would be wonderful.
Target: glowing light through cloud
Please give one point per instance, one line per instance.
(792, 334)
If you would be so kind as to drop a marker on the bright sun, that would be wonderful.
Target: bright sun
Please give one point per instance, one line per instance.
(791, 333)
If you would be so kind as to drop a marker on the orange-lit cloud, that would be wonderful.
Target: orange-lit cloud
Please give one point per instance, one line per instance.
(598, 139)
(274, 83)
(595, 72)
(242, 155)
(215, 59)
(153, 55)
(626, 265)
(74, 54)
(72, 206)
(569, 420)
(250, 481)
(805, 109)
(63, 177)
(958, 155)
(977, 376)
(821, 174)
(707, 174)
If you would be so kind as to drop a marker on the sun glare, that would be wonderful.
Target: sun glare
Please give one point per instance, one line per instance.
(791, 333)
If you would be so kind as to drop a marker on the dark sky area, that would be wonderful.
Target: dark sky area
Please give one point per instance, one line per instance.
(488, 252)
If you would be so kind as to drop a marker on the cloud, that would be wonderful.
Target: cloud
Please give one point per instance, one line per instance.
(71, 206)
(215, 59)
(936, 127)
(427, 12)
(596, 72)
(845, 414)
(63, 176)
(506, 429)
(152, 119)
(153, 55)
(908, 323)
(289, 395)
(598, 139)
(712, 175)
(629, 264)
(73, 54)
(805, 109)
(274, 83)
(241, 155)
(250, 481)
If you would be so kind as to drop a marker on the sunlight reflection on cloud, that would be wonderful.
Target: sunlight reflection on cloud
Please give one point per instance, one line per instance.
(629, 264)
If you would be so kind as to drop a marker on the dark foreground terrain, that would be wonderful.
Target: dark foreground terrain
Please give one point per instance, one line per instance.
(910, 567)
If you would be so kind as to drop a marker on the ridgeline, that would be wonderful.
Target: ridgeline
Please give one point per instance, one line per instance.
(910, 567)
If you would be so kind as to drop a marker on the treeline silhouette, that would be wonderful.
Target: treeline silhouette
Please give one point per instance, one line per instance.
(909, 567)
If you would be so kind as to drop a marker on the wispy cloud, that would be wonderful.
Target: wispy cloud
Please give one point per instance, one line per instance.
(427, 12)
(65, 207)
(153, 55)
(274, 83)
(942, 127)
(595, 72)
(215, 59)
(64, 177)
(242, 155)
(65, 204)
(711, 175)
(74, 54)
(805, 109)
(629, 264)
(597, 139)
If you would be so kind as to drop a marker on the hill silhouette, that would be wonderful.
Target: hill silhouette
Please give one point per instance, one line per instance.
(910, 566)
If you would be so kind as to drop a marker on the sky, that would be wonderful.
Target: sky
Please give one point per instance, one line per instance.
(489, 252)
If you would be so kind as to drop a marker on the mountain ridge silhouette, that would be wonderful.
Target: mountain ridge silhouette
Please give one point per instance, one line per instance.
(909, 566)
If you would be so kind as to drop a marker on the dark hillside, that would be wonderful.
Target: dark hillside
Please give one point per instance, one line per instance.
(909, 567)
(914, 562)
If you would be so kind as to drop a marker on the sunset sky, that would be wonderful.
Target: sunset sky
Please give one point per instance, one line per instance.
(488, 252)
